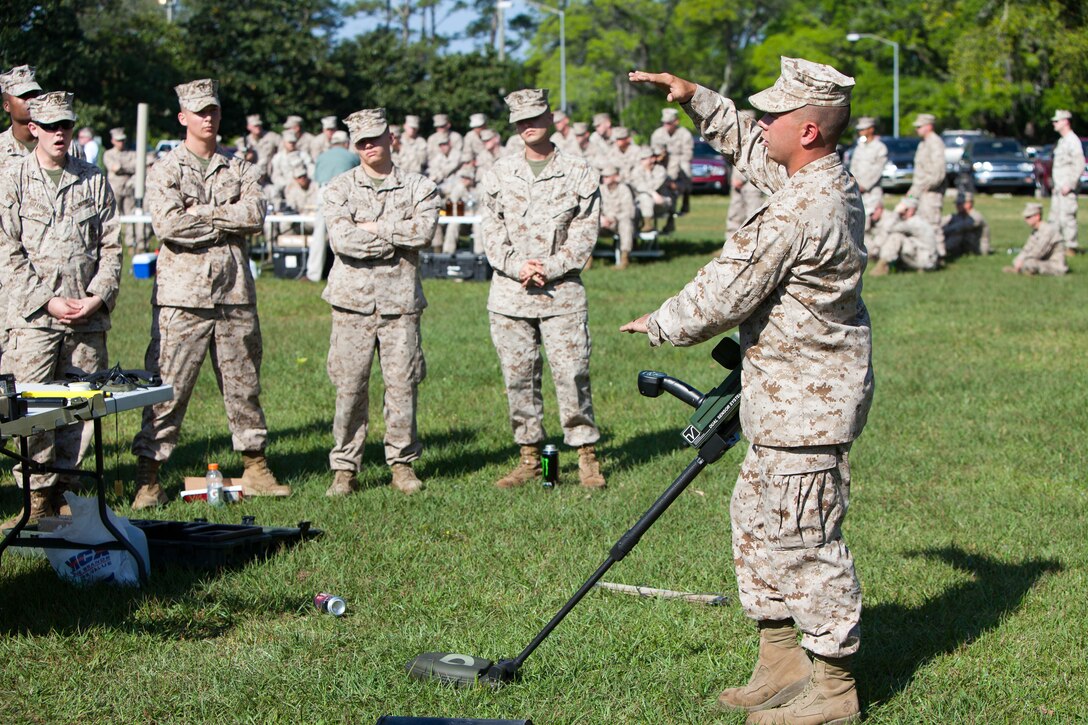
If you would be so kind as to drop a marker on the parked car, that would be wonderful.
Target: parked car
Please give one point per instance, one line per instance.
(991, 164)
(708, 170)
(955, 141)
(899, 170)
(166, 146)
(1044, 167)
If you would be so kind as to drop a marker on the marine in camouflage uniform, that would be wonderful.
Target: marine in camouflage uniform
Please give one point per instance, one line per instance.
(1066, 173)
(541, 212)
(1044, 252)
(791, 279)
(930, 175)
(905, 240)
(966, 231)
(564, 138)
(202, 206)
(442, 125)
(412, 155)
(322, 142)
(61, 264)
(378, 218)
(681, 147)
(867, 165)
(16, 142)
(121, 170)
(618, 213)
(650, 183)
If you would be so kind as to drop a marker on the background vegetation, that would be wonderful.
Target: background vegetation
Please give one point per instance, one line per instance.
(967, 519)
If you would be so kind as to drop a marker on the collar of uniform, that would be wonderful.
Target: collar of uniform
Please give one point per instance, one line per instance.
(393, 181)
(824, 163)
(70, 176)
(554, 168)
(188, 158)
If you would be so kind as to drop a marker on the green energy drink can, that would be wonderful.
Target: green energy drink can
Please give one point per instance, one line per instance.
(549, 459)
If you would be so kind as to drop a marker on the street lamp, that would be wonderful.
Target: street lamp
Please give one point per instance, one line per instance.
(562, 50)
(500, 22)
(855, 37)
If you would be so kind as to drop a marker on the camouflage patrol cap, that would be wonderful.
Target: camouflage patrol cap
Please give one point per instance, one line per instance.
(198, 95)
(1062, 115)
(646, 153)
(558, 116)
(290, 136)
(411, 122)
(487, 134)
(620, 132)
(610, 171)
(117, 134)
(865, 122)
(476, 120)
(804, 83)
(19, 80)
(924, 119)
(329, 122)
(52, 107)
(441, 137)
(368, 123)
(296, 167)
(527, 103)
(1032, 208)
(439, 120)
(292, 121)
(394, 129)
(669, 115)
(908, 202)
(254, 119)
(580, 128)
(659, 149)
(340, 137)
(599, 118)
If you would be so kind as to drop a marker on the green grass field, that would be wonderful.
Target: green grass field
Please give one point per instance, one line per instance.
(969, 523)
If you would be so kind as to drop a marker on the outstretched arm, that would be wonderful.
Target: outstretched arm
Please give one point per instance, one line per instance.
(678, 89)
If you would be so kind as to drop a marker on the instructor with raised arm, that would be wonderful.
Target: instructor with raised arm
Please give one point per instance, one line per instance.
(791, 278)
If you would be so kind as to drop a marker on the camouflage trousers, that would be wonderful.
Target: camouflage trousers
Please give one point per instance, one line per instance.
(180, 338)
(135, 234)
(45, 356)
(871, 200)
(566, 342)
(623, 228)
(907, 251)
(929, 209)
(355, 338)
(1063, 215)
(791, 561)
(1048, 267)
(648, 210)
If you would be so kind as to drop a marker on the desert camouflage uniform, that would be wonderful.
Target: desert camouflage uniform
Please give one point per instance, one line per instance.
(867, 166)
(319, 145)
(412, 157)
(791, 278)
(472, 146)
(645, 183)
(204, 297)
(11, 153)
(1068, 167)
(457, 142)
(552, 217)
(681, 148)
(930, 177)
(618, 204)
(743, 202)
(1044, 252)
(377, 300)
(567, 144)
(967, 233)
(57, 241)
(459, 194)
(910, 243)
(121, 171)
(626, 161)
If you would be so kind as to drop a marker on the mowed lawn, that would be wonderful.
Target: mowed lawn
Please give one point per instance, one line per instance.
(968, 522)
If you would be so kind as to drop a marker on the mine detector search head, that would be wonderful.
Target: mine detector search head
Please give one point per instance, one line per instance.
(714, 427)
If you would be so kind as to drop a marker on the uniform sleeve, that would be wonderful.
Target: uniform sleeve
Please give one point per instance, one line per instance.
(346, 238)
(107, 279)
(17, 273)
(728, 290)
(573, 253)
(416, 231)
(500, 250)
(739, 140)
(240, 205)
(170, 219)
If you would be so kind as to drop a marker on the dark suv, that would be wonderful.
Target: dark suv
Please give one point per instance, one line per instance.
(996, 164)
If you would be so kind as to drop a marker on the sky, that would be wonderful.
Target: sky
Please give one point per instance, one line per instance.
(451, 24)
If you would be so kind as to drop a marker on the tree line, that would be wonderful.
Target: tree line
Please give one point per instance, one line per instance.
(1003, 65)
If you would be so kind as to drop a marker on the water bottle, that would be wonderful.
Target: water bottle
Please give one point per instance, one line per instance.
(215, 485)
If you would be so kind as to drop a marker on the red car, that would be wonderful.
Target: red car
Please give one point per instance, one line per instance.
(708, 170)
(1044, 167)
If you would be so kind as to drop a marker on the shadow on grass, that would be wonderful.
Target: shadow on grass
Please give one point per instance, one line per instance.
(903, 639)
(687, 247)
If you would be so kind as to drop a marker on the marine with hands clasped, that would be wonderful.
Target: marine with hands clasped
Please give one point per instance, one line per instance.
(541, 211)
(203, 206)
(790, 277)
(379, 218)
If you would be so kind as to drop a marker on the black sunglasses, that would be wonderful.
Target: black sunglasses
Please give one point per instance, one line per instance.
(56, 125)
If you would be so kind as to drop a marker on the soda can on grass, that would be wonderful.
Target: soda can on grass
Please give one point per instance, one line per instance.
(330, 604)
(549, 460)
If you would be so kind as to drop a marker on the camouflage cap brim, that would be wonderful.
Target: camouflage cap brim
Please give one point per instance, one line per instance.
(52, 107)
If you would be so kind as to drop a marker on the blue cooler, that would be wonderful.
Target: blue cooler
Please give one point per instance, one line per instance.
(143, 265)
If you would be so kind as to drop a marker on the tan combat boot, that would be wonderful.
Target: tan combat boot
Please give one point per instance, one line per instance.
(589, 468)
(149, 493)
(528, 469)
(258, 479)
(625, 260)
(41, 506)
(405, 479)
(880, 269)
(647, 225)
(781, 672)
(829, 698)
(344, 483)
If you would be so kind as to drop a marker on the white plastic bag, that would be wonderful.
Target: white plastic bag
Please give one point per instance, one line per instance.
(84, 566)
